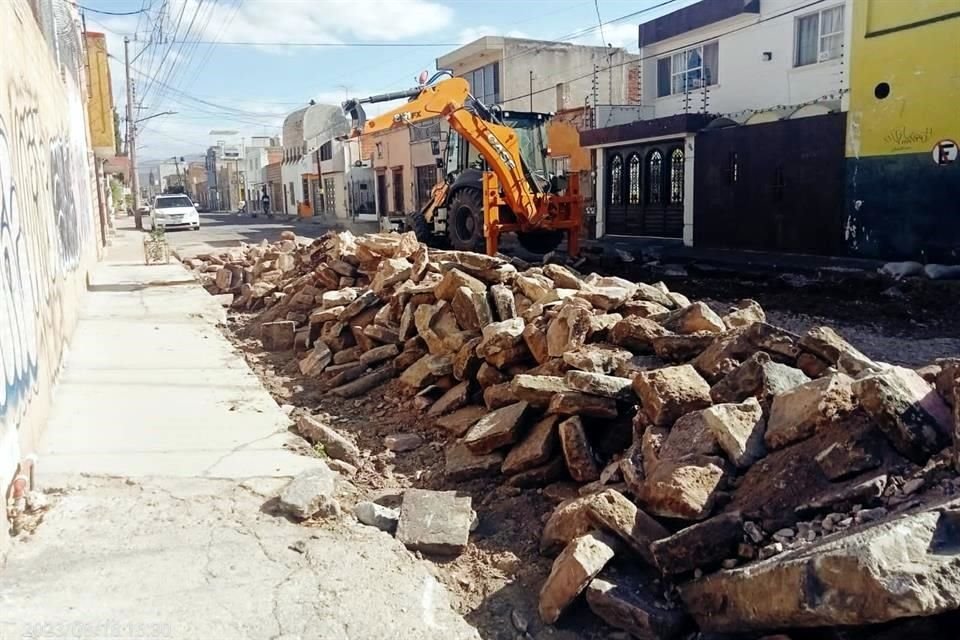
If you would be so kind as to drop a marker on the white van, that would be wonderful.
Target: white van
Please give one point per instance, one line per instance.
(174, 210)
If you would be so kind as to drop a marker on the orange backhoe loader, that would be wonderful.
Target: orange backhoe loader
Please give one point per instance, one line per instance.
(495, 171)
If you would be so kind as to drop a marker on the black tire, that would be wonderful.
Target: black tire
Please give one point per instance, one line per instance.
(419, 225)
(540, 242)
(465, 220)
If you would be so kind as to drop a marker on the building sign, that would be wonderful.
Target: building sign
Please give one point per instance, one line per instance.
(945, 152)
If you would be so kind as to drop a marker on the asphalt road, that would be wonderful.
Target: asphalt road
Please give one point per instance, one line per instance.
(219, 231)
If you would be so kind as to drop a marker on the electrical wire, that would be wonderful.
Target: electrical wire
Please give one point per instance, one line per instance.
(107, 13)
(596, 5)
(661, 54)
(237, 43)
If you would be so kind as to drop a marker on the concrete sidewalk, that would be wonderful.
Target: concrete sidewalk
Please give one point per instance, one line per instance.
(167, 448)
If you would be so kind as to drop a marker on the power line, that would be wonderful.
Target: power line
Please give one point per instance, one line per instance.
(209, 51)
(186, 59)
(669, 51)
(107, 13)
(596, 5)
(176, 28)
(238, 43)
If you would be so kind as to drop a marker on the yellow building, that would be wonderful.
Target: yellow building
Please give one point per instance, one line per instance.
(100, 96)
(903, 130)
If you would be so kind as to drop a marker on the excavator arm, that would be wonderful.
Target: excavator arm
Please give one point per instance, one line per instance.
(499, 145)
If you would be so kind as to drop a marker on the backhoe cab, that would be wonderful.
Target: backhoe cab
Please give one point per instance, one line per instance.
(495, 173)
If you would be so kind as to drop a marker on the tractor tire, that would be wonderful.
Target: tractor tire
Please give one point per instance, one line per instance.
(540, 242)
(465, 221)
(421, 228)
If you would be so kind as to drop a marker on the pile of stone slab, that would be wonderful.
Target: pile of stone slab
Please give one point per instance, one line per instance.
(728, 475)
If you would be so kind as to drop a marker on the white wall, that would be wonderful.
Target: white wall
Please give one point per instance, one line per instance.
(746, 80)
(50, 222)
(570, 65)
(552, 63)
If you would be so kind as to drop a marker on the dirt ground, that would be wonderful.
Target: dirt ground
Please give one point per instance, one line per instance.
(496, 582)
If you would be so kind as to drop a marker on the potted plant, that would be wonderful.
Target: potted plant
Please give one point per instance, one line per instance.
(155, 247)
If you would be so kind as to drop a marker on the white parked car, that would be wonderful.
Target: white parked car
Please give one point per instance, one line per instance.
(174, 210)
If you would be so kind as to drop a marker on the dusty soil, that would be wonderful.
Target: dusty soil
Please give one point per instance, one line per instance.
(496, 582)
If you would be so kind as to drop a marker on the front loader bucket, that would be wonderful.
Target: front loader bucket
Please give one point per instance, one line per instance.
(354, 110)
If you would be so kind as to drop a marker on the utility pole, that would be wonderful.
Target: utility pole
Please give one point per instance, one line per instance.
(531, 90)
(132, 138)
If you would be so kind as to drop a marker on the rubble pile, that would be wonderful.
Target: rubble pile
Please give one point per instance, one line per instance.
(731, 476)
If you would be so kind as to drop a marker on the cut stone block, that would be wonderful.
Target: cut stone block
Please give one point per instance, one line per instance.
(739, 430)
(461, 464)
(798, 413)
(900, 568)
(435, 521)
(631, 601)
(685, 488)
(668, 393)
(460, 421)
(704, 544)
(278, 336)
(574, 403)
(453, 280)
(572, 571)
(600, 385)
(538, 390)
(610, 511)
(497, 429)
(536, 448)
(907, 410)
(577, 451)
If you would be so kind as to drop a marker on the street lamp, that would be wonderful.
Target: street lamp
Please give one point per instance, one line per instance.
(156, 115)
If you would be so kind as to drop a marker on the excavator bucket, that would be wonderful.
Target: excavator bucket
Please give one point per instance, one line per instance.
(354, 110)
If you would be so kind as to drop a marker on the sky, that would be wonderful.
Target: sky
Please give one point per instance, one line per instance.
(236, 65)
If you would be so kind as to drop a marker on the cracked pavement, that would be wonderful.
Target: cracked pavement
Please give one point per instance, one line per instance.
(169, 451)
(202, 558)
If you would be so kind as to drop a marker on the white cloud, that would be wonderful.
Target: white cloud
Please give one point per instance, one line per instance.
(327, 21)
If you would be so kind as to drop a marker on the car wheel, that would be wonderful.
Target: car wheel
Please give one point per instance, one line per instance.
(196, 227)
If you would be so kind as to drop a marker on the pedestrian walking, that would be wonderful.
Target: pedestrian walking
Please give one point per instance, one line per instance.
(265, 204)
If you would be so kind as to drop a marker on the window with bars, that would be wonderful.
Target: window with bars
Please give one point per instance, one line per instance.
(616, 179)
(689, 69)
(655, 177)
(330, 194)
(398, 190)
(633, 179)
(326, 150)
(426, 180)
(560, 166)
(818, 36)
(676, 176)
(425, 130)
(485, 83)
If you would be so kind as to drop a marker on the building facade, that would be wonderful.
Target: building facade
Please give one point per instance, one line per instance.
(903, 132)
(728, 87)
(294, 165)
(543, 76)
(258, 153)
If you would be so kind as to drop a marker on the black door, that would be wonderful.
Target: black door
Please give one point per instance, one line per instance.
(381, 194)
(644, 190)
(777, 186)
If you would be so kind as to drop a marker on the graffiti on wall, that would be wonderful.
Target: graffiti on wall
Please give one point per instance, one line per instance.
(45, 205)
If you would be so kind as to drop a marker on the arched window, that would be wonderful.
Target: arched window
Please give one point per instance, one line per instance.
(655, 177)
(616, 179)
(676, 176)
(633, 188)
